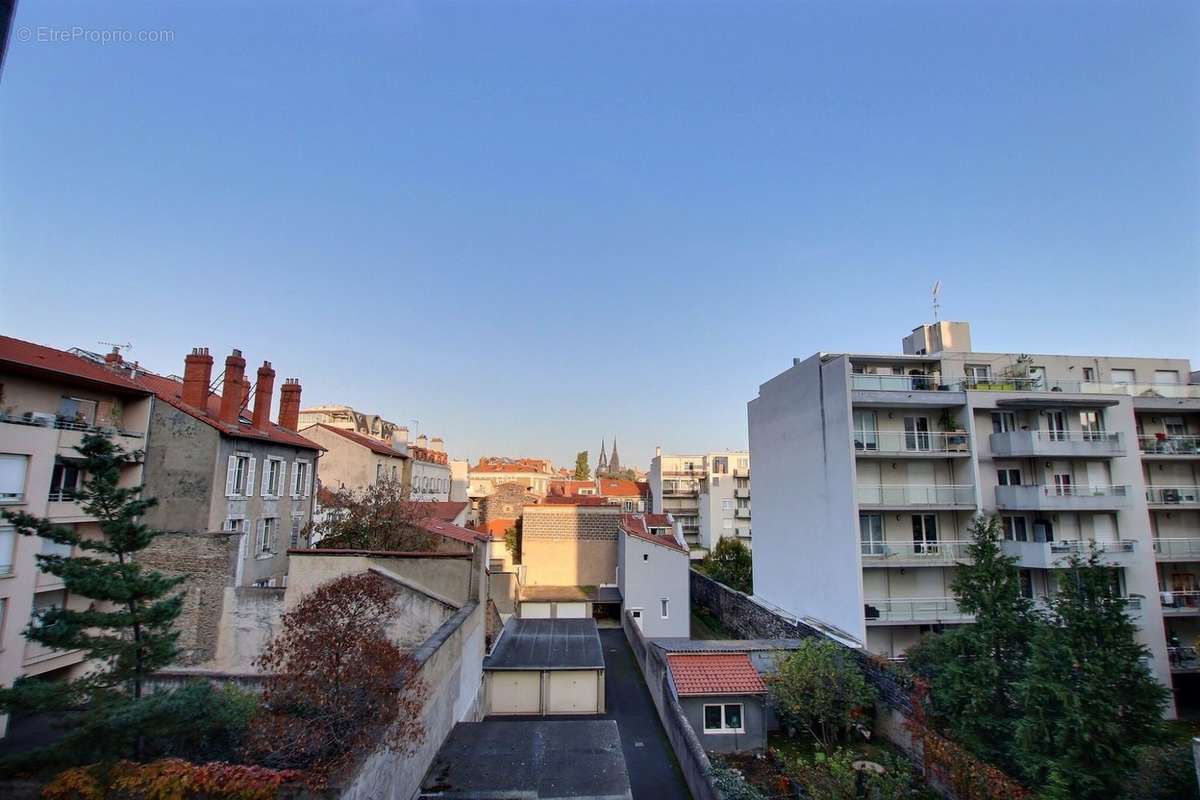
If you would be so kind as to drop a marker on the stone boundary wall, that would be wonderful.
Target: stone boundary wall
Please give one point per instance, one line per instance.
(688, 750)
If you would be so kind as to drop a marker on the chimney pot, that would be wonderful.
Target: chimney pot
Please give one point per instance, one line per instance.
(197, 375)
(232, 390)
(289, 404)
(263, 388)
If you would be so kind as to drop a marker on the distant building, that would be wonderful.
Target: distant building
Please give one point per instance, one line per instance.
(535, 474)
(652, 575)
(353, 461)
(707, 493)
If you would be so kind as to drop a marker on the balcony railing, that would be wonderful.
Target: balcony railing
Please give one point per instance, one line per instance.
(1173, 495)
(1163, 445)
(896, 383)
(1048, 555)
(916, 609)
(1002, 383)
(1186, 549)
(742, 513)
(940, 551)
(950, 495)
(41, 420)
(61, 496)
(888, 442)
(1187, 602)
(1056, 444)
(742, 494)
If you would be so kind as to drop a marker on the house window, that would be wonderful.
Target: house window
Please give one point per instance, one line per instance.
(1062, 483)
(235, 525)
(723, 718)
(393, 473)
(273, 477)
(870, 530)
(645, 556)
(1015, 529)
(727, 505)
(1089, 374)
(727, 524)
(1092, 424)
(76, 413)
(1004, 422)
(978, 373)
(1008, 476)
(239, 477)
(1124, 376)
(866, 430)
(49, 547)
(379, 473)
(268, 529)
(662, 608)
(300, 479)
(925, 536)
(1170, 376)
(12, 477)
(1174, 426)
(8, 547)
(44, 602)
(64, 480)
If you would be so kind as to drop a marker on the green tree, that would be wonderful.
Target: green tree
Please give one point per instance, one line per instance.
(972, 670)
(1089, 700)
(126, 632)
(512, 540)
(731, 564)
(582, 471)
(820, 689)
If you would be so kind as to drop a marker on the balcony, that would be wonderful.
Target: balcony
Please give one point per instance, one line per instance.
(741, 473)
(1173, 496)
(915, 445)
(1057, 444)
(896, 383)
(1177, 549)
(914, 554)
(742, 533)
(741, 494)
(1039, 497)
(1016, 384)
(949, 497)
(918, 610)
(1048, 555)
(904, 390)
(1180, 604)
(742, 513)
(1169, 447)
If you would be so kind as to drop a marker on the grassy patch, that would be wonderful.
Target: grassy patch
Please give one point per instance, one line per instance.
(706, 626)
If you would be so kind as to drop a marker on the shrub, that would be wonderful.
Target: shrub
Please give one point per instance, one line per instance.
(820, 689)
(1164, 773)
(168, 779)
(732, 784)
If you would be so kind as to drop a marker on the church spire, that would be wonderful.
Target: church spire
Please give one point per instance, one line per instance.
(602, 464)
(614, 461)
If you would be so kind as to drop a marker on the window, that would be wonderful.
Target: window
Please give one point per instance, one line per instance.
(294, 539)
(1062, 483)
(76, 412)
(53, 548)
(235, 524)
(45, 601)
(64, 480)
(1092, 424)
(1170, 376)
(1174, 426)
(916, 433)
(978, 373)
(870, 529)
(1089, 374)
(300, 479)
(723, 718)
(393, 473)
(1124, 376)
(727, 505)
(1008, 476)
(379, 473)
(12, 477)
(925, 537)
(662, 607)
(1026, 576)
(716, 481)
(239, 476)
(8, 547)
(645, 556)
(1015, 529)
(727, 524)
(866, 430)
(1004, 422)
(273, 477)
(268, 529)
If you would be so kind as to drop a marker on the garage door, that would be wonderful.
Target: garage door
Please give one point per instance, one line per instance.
(572, 610)
(535, 610)
(516, 692)
(573, 692)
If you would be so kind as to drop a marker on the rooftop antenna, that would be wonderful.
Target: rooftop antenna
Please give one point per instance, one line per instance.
(117, 348)
(937, 297)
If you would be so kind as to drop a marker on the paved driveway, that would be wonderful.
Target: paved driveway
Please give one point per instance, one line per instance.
(653, 771)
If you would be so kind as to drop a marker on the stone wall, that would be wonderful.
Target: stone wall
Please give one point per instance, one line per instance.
(570, 545)
(748, 619)
(205, 562)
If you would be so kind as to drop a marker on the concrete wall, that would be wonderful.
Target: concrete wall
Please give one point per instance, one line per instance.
(754, 720)
(250, 616)
(447, 576)
(650, 572)
(570, 545)
(806, 545)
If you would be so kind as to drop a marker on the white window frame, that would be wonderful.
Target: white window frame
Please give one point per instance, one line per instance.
(723, 729)
(302, 484)
(235, 524)
(22, 459)
(232, 488)
(280, 476)
(8, 552)
(265, 541)
(664, 608)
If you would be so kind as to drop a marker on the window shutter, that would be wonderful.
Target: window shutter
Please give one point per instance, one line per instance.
(250, 478)
(266, 478)
(297, 470)
(308, 483)
(283, 475)
(260, 539)
(230, 476)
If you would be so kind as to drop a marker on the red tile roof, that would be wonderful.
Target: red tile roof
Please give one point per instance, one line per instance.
(714, 674)
(451, 531)
(495, 528)
(67, 366)
(619, 487)
(374, 445)
(570, 488)
(170, 391)
(644, 526)
(445, 510)
(505, 468)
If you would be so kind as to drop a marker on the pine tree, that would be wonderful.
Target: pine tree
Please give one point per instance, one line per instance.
(126, 633)
(1089, 699)
(582, 471)
(972, 670)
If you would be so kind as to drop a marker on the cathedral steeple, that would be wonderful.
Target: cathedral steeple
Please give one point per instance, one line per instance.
(602, 464)
(614, 461)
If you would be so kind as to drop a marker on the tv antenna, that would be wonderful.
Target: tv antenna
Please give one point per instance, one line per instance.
(937, 299)
(117, 348)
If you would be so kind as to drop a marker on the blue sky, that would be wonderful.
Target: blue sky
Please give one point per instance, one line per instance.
(530, 225)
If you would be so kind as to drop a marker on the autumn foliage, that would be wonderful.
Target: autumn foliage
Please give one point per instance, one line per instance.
(337, 688)
(169, 779)
(378, 517)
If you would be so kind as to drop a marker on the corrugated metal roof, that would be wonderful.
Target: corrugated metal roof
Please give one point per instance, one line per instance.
(547, 644)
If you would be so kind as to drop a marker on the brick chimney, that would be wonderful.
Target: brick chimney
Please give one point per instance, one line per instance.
(114, 359)
(197, 374)
(231, 389)
(245, 394)
(263, 388)
(289, 404)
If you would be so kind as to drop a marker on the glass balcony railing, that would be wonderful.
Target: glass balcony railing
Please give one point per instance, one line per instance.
(914, 609)
(1003, 383)
(916, 442)
(897, 383)
(939, 551)
(1177, 548)
(949, 495)
(1173, 495)
(1168, 445)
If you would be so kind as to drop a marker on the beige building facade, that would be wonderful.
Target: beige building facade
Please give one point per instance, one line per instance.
(570, 545)
(708, 494)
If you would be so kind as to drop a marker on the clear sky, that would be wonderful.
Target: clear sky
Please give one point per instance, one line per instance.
(530, 225)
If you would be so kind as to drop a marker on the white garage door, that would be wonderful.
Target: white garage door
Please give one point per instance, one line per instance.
(516, 692)
(535, 610)
(572, 610)
(573, 692)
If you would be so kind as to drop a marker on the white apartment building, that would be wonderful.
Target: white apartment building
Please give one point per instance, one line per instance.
(870, 467)
(707, 494)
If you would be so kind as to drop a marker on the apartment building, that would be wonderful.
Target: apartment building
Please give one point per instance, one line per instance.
(354, 461)
(870, 467)
(708, 494)
(535, 474)
(49, 399)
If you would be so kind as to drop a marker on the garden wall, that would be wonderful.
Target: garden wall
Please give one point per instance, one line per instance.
(692, 758)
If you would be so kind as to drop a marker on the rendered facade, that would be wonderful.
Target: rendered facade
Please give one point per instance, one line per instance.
(870, 468)
(708, 494)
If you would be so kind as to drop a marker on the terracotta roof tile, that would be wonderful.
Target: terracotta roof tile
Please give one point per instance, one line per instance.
(446, 510)
(643, 526)
(452, 531)
(27, 355)
(714, 674)
(619, 487)
(374, 445)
